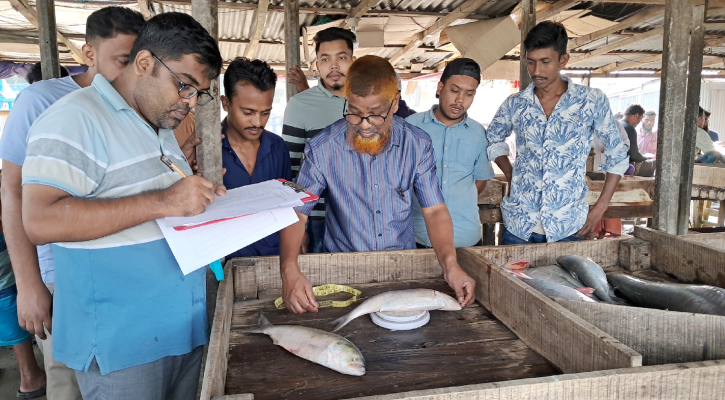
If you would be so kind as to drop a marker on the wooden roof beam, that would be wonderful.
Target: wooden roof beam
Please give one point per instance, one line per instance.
(629, 64)
(31, 15)
(640, 17)
(144, 6)
(363, 7)
(555, 9)
(260, 19)
(622, 43)
(467, 8)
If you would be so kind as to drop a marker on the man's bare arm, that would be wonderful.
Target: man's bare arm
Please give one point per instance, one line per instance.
(597, 210)
(440, 232)
(34, 299)
(53, 215)
(296, 289)
(504, 164)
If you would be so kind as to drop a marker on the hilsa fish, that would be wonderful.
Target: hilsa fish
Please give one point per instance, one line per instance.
(590, 274)
(324, 348)
(682, 297)
(548, 287)
(400, 300)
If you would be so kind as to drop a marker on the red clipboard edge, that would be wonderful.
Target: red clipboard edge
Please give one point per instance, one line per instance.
(311, 197)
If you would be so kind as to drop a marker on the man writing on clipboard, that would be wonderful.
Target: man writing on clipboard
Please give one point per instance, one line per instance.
(371, 164)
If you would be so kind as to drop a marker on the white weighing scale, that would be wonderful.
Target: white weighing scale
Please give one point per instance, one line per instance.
(401, 320)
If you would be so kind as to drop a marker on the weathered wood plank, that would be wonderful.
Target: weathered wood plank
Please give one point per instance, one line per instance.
(689, 381)
(697, 43)
(351, 268)
(634, 254)
(662, 337)
(492, 193)
(292, 40)
(678, 16)
(716, 239)
(48, 39)
(687, 260)
(215, 370)
(528, 21)
(709, 175)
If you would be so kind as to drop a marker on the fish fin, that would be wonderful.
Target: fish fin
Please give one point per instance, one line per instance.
(516, 264)
(262, 321)
(585, 290)
(336, 324)
(518, 274)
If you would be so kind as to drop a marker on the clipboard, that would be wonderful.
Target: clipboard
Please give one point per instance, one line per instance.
(297, 188)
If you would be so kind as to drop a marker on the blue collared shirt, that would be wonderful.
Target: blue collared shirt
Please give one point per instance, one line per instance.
(461, 160)
(548, 181)
(370, 197)
(273, 162)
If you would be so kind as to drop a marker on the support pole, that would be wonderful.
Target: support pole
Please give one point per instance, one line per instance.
(291, 40)
(673, 88)
(697, 43)
(48, 39)
(208, 117)
(528, 21)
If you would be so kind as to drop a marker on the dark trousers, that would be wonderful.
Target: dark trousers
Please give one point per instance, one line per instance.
(510, 238)
(422, 246)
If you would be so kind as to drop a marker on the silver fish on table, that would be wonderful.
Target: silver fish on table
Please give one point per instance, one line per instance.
(400, 300)
(589, 273)
(324, 348)
(553, 289)
(701, 299)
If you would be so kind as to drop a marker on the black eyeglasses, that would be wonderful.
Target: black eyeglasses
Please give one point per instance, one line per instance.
(374, 120)
(187, 91)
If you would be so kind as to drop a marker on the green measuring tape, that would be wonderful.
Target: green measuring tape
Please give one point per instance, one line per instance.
(325, 290)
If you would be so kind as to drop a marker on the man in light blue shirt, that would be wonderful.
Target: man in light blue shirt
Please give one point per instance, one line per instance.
(459, 144)
(110, 34)
(126, 318)
(555, 121)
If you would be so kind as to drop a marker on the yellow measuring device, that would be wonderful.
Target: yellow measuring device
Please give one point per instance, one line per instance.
(325, 290)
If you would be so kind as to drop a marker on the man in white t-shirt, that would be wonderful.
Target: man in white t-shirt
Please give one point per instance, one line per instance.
(110, 34)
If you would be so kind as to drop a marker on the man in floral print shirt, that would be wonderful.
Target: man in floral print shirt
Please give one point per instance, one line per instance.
(554, 121)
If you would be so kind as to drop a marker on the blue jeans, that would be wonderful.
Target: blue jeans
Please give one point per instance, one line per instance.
(316, 234)
(509, 238)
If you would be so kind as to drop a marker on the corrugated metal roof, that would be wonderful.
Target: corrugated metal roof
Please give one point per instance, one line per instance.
(235, 28)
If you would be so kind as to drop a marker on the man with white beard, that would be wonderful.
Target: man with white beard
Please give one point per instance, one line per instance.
(371, 163)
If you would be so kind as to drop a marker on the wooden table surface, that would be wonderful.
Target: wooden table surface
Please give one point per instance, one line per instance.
(455, 348)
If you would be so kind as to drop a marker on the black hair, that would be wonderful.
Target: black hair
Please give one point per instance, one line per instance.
(700, 112)
(634, 109)
(547, 34)
(257, 72)
(36, 74)
(651, 113)
(707, 113)
(169, 36)
(332, 34)
(108, 22)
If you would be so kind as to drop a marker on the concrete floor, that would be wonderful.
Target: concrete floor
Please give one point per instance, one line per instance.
(9, 375)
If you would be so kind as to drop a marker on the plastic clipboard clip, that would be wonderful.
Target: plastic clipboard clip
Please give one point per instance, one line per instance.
(297, 188)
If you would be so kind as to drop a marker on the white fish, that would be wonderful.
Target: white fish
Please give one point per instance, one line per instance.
(324, 348)
(401, 300)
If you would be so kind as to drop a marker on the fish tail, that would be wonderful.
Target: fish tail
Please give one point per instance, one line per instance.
(263, 322)
(585, 290)
(338, 323)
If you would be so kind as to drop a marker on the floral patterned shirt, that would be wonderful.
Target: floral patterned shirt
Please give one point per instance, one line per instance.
(548, 183)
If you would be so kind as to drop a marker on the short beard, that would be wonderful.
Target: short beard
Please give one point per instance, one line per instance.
(372, 146)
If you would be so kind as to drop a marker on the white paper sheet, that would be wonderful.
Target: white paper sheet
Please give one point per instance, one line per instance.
(244, 200)
(194, 248)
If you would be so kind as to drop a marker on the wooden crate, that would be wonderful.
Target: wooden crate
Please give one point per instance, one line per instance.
(575, 347)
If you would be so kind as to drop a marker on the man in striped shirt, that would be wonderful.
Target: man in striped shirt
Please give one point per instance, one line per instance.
(311, 111)
(371, 164)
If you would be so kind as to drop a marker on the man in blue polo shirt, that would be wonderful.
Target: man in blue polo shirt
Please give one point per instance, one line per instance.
(125, 317)
(250, 153)
(460, 145)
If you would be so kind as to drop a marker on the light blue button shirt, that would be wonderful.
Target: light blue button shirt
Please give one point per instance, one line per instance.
(121, 299)
(549, 175)
(461, 160)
